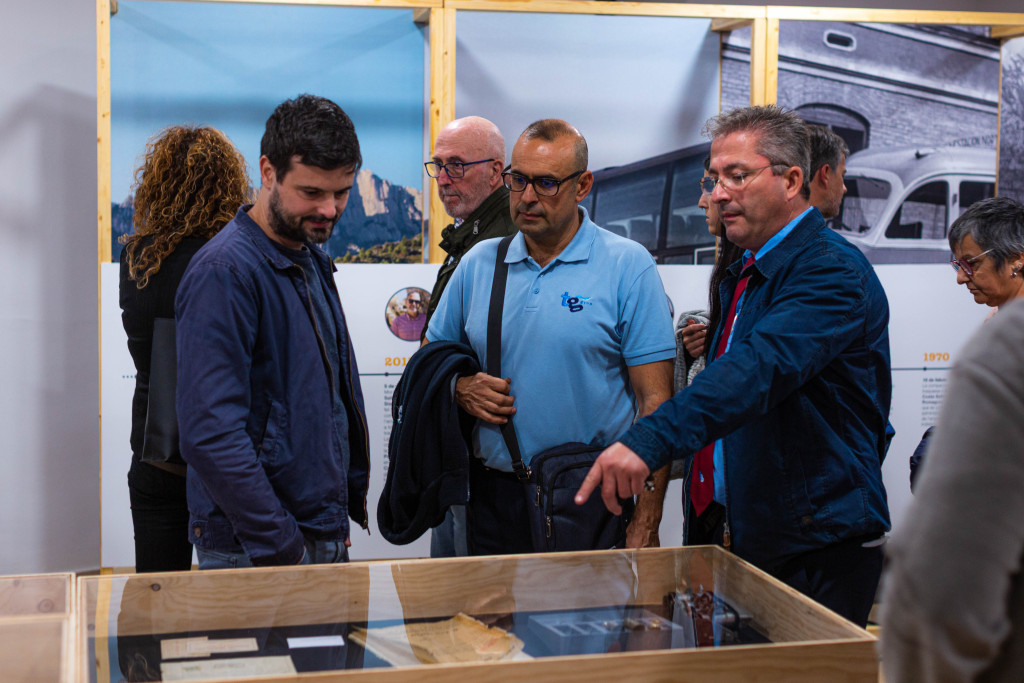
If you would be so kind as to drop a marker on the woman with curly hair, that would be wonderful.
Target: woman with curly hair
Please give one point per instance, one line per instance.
(191, 183)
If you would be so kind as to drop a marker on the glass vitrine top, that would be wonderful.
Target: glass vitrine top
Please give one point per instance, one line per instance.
(244, 623)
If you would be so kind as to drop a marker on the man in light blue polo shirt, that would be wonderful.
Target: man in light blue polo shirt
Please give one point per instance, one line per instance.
(587, 339)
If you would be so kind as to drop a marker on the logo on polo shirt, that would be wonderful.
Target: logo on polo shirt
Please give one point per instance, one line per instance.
(575, 304)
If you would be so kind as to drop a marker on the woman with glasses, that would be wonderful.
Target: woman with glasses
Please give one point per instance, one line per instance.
(191, 183)
(987, 241)
(988, 248)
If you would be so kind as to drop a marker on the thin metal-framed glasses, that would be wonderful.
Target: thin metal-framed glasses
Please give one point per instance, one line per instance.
(967, 263)
(735, 180)
(454, 169)
(544, 187)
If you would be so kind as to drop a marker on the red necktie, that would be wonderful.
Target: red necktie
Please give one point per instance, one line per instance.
(702, 483)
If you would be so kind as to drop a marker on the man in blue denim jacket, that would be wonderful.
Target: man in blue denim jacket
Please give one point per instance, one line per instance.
(270, 411)
(796, 403)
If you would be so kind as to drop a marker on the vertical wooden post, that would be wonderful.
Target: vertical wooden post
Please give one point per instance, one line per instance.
(758, 38)
(102, 204)
(442, 112)
(103, 126)
(771, 61)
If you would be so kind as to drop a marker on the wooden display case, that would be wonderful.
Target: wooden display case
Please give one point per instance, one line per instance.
(36, 627)
(695, 614)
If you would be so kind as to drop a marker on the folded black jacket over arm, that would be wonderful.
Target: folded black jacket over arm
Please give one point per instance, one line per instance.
(430, 443)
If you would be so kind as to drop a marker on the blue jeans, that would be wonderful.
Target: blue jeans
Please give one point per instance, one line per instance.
(448, 539)
(317, 552)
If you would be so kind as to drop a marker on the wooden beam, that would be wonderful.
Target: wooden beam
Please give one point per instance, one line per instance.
(726, 25)
(102, 204)
(758, 42)
(103, 126)
(421, 16)
(894, 16)
(442, 112)
(379, 4)
(1006, 32)
(602, 7)
(771, 61)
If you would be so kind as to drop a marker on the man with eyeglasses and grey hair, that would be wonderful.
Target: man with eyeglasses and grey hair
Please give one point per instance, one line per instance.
(469, 155)
(787, 424)
(586, 337)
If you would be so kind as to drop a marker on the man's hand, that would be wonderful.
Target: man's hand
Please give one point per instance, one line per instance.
(485, 397)
(619, 472)
(694, 337)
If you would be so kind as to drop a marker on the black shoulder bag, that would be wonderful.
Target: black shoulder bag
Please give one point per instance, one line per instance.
(557, 523)
(160, 443)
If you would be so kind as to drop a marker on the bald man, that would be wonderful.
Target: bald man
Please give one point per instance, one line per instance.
(469, 155)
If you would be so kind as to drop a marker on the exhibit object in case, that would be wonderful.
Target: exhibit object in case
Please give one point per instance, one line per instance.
(643, 614)
(36, 627)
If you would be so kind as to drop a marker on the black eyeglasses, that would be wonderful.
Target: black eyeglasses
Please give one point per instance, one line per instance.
(731, 181)
(454, 169)
(966, 263)
(415, 302)
(544, 187)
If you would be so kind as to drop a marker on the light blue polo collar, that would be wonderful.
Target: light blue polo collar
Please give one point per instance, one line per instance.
(578, 248)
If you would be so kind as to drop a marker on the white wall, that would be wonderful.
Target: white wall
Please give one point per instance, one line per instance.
(49, 487)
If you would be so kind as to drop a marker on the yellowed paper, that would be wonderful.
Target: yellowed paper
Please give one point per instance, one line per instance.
(459, 639)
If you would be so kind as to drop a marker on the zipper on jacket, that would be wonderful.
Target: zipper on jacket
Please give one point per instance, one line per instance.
(316, 330)
(365, 523)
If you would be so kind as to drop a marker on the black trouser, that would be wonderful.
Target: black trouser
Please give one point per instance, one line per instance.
(842, 576)
(496, 516)
(706, 528)
(160, 518)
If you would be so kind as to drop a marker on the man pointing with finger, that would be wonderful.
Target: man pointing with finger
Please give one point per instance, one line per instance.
(586, 336)
(787, 424)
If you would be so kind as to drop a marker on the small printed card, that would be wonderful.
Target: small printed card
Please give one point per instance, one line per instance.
(226, 669)
(316, 641)
(187, 648)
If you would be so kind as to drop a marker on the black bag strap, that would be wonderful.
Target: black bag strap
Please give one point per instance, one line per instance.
(497, 305)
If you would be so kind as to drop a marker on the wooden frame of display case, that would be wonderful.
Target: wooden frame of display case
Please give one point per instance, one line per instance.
(37, 627)
(809, 642)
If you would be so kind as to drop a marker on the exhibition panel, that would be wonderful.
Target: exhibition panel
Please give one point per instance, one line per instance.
(500, 617)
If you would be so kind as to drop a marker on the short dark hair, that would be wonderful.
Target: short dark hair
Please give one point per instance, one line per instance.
(996, 223)
(826, 148)
(313, 128)
(782, 136)
(550, 130)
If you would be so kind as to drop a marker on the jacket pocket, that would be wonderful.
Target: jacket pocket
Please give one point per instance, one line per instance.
(270, 432)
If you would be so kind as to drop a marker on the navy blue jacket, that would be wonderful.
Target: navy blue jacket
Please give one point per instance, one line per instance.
(430, 444)
(255, 408)
(801, 401)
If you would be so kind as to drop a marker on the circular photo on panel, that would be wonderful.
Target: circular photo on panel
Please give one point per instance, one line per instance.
(406, 313)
